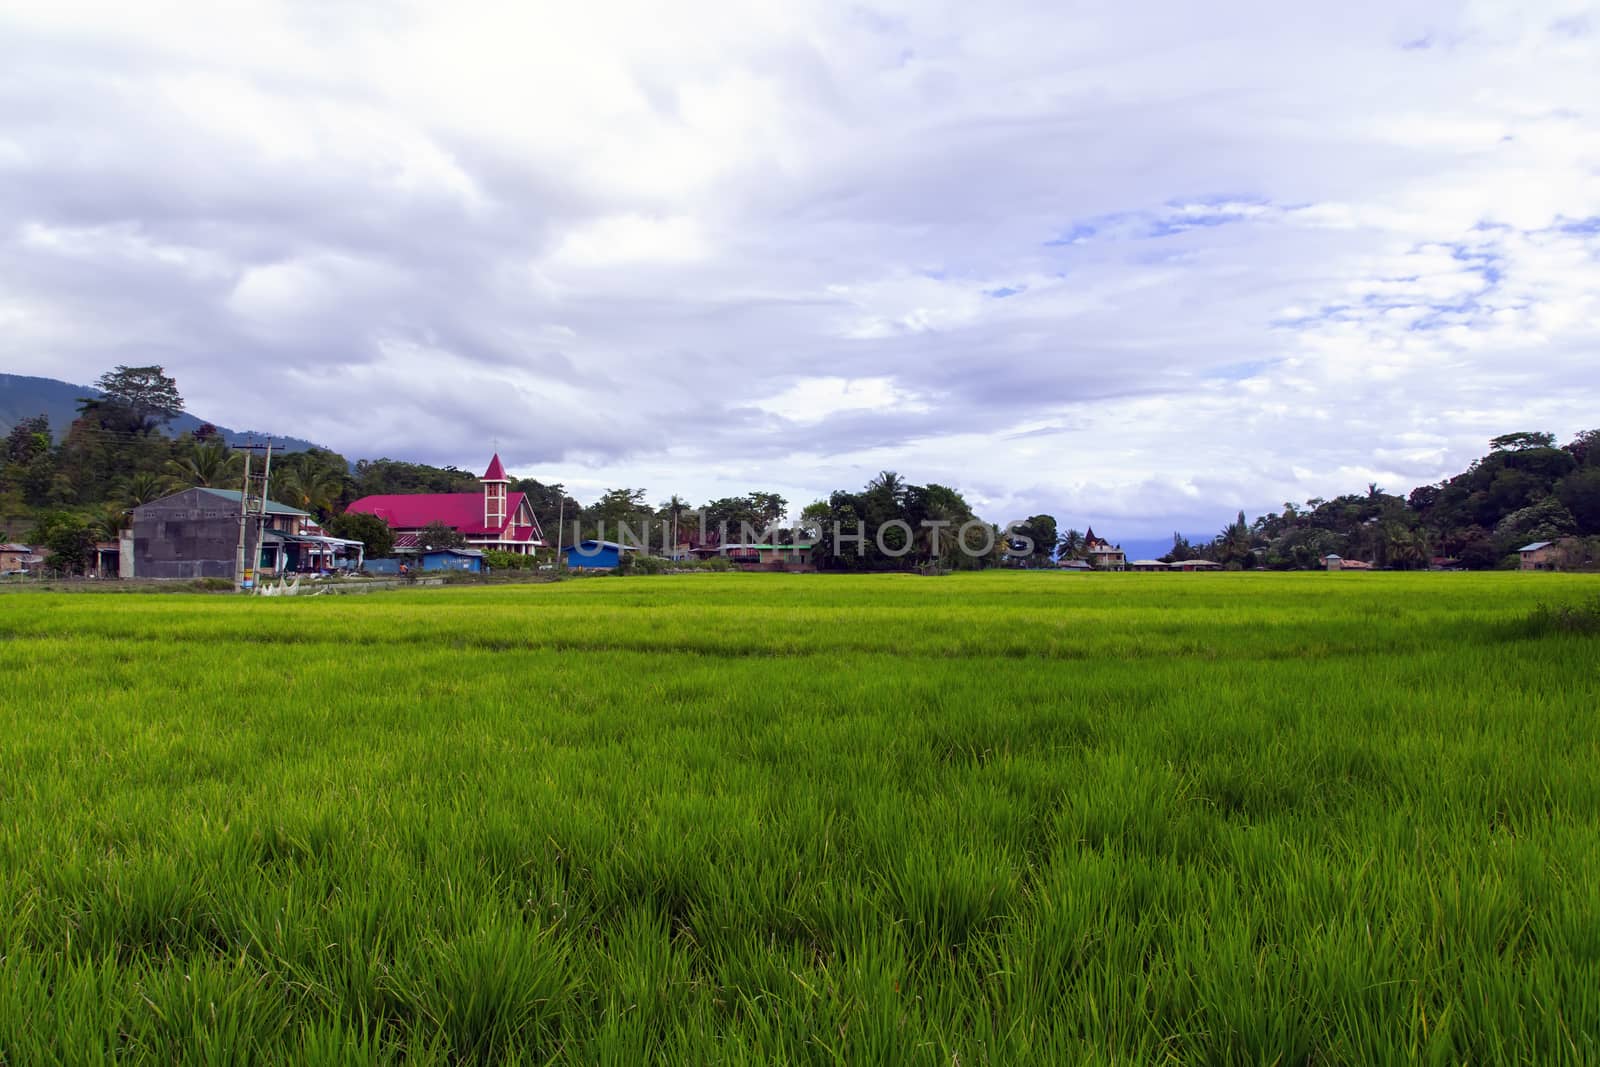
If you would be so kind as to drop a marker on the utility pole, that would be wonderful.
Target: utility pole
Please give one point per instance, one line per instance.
(244, 510)
(252, 501)
(261, 509)
(561, 514)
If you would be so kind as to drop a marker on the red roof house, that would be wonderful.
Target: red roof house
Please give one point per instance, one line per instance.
(493, 519)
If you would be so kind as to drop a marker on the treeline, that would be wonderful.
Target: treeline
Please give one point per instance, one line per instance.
(1525, 489)
(114, 457)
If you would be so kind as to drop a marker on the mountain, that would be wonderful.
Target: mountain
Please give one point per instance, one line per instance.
(23, 397)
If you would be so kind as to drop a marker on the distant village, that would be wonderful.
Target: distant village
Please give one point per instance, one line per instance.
(121, 496)
(204, 532)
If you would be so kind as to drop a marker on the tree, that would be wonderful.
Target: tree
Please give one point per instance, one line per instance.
(1234, 543)
(438, 535)
(108, 523)
(1041, 530)
(1071, 544)
(144, 487)
(616, 508)
(1180, 551)
(146, 392)
(208, 463)
(1545, 521)
(69, 540)
(27, 439)
(370, 530)
(1580, 493)
(302, 482)
(1585, 448)
(674, 509)
(1522, 440)
(889, 484)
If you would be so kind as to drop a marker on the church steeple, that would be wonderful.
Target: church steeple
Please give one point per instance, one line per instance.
(494, 494)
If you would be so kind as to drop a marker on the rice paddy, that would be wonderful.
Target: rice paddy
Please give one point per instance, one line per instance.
(992, 818)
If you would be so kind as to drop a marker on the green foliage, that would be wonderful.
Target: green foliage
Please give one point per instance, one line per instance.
(438, 535)
(887, 499)
(371, 530)
(316, 481)
(1545, 521)
(509, 561)
(1517, 442)
(206, 462)
(69, 540)
(1579, 492)
(376, 477)
(1547, 619)
(998, 818)
(1040, 532)
(147, 394)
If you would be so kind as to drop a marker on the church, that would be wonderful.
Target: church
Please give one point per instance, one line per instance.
(494, 519)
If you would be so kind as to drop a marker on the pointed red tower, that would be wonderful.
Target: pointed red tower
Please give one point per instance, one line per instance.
(495, 483)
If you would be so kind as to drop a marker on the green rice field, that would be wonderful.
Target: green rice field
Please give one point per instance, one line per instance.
(990, 818)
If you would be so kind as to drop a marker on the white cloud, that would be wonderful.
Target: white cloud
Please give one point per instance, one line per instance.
(1141, 268)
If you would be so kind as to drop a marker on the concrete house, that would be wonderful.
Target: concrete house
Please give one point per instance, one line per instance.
(194, 533)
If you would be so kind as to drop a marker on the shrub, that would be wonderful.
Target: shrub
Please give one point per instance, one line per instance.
(1563, 619)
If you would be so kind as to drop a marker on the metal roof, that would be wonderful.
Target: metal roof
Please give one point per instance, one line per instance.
(232, 495)
(1536, 546)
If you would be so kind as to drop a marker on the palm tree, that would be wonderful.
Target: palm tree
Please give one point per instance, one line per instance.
(1071, 544)
(209, 463)
(890, 483)
(108, 523)
(675, 509)
(1234, 543)
(306, 486)
(144, 487)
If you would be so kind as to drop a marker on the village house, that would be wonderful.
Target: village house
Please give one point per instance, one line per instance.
(760, 555)
(1147, 565)
(16, 559)
(194, 533)
(1551, 555)
(1194, 565)
(1334, 562)
(1102, 554)
(491, 519)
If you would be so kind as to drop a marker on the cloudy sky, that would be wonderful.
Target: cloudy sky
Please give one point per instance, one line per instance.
(1138, 268)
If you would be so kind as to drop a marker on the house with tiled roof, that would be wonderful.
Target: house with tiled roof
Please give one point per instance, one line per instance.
(491, 519)
(1103, 555)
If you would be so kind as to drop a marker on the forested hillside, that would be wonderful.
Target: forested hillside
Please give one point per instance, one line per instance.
(24, 397)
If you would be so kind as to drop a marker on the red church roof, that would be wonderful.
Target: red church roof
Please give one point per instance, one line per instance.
(461, 511)
(496, 472)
